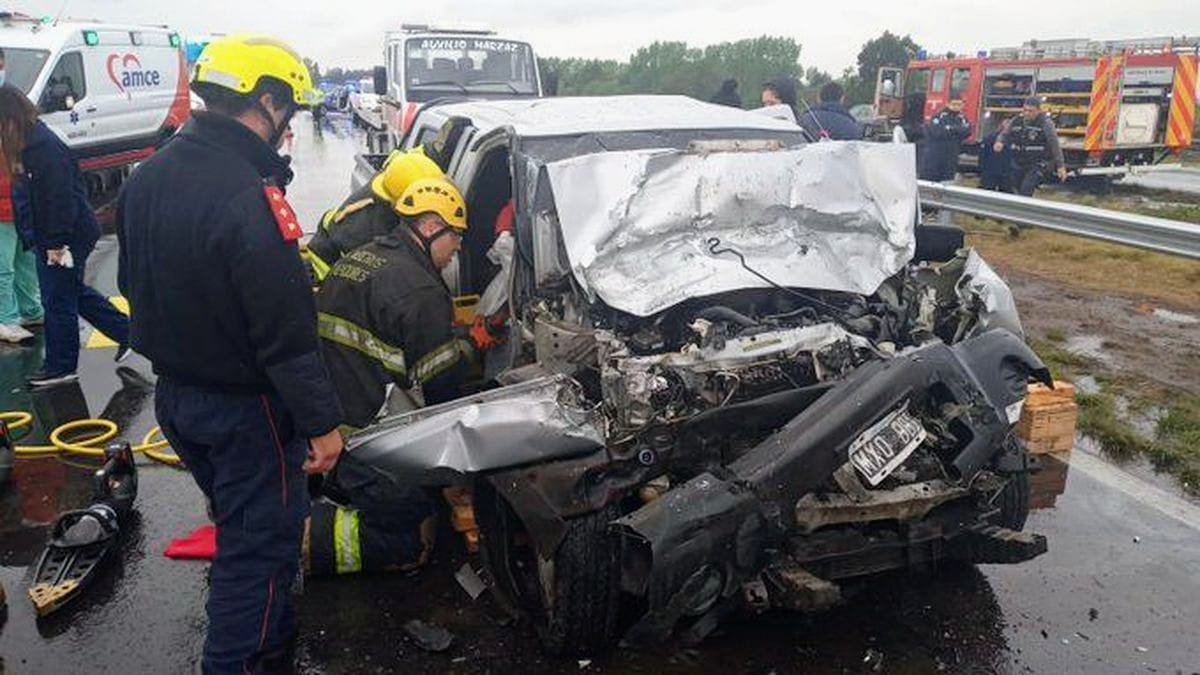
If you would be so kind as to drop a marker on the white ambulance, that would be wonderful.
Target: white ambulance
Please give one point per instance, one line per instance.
(112, 92)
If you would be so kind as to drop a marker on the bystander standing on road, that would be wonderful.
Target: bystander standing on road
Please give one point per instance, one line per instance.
(223, 307)
(54, 218)
(829, 117)
(1036, 152)
(995, 168)
(20, 306)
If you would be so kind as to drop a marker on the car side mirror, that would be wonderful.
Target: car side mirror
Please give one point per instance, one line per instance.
(381, 83)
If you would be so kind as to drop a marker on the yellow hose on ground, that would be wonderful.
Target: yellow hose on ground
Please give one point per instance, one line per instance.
(91, 445)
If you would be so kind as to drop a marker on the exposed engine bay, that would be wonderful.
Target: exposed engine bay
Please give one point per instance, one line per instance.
(652, 376)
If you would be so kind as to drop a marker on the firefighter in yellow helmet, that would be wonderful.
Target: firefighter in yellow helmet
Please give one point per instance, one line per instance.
(384, 313)
(369, 212)
(209, 261)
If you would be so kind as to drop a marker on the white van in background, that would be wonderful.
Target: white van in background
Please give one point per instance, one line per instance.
(112, 92)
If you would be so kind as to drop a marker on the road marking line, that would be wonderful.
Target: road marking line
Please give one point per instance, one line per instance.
(1114, 477)
(98, 340)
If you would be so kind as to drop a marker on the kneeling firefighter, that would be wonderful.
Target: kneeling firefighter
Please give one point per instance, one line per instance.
(369, 212)
(384, 312)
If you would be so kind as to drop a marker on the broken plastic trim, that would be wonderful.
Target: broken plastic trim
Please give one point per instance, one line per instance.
(728, 520)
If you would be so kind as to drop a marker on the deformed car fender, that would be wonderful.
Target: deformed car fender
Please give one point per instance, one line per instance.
(534, 422)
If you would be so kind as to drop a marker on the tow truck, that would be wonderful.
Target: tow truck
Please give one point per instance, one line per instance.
(1121, 106)
(426, 63)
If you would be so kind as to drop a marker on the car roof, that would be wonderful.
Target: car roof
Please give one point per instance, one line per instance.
(26, 34)
(572, 115)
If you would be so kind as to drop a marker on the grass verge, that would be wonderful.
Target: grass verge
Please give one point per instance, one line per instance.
(1084, 263)
(1172, 444)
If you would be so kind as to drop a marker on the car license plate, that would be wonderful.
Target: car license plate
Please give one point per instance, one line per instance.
(885, 446)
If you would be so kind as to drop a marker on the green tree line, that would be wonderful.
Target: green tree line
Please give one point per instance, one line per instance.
(677, 68)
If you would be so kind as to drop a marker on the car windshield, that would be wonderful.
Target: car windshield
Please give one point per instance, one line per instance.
(470, 65)
(22, 66)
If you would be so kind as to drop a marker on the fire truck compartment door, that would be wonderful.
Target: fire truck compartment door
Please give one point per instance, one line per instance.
(1137, 124)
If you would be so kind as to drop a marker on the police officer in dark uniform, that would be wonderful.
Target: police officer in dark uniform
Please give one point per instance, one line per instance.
(384, 312)
(369, 212)
(1033, 142)
(944, 136)
(223, 308)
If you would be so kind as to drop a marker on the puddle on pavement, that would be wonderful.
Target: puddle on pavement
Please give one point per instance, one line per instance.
(1091, 346)
(1176, 317)
(41, 487)
(1144, 421)
(1087, 385)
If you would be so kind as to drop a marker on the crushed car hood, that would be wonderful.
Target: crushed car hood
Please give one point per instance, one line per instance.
(637, 225)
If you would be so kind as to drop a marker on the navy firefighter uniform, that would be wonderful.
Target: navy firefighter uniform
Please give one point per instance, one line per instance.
(223, 307)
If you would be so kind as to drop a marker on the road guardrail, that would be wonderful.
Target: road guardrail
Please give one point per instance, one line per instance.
(1146, 232)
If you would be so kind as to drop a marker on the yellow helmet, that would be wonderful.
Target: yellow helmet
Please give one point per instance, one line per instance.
(400, 171)
(238, 62)
(434, 195)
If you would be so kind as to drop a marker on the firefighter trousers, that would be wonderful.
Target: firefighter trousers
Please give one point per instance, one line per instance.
(245, 456)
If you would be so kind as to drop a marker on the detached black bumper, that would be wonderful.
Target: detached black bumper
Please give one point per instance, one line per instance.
(715, 530)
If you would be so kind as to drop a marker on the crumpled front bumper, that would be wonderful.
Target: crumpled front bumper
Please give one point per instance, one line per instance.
(716, 530)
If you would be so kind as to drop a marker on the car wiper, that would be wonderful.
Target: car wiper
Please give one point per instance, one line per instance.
(503, 82)
(439, 83)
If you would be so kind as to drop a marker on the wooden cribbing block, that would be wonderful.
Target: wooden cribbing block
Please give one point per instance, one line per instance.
(1048, 420)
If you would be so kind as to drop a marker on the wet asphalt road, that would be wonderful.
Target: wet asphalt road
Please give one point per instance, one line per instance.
(1119, 591)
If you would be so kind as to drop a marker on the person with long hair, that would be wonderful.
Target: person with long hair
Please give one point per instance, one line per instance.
(20, 306)
(55, 219)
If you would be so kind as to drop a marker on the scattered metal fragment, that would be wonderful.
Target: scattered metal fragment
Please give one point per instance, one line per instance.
(470, 581)
(429, 637)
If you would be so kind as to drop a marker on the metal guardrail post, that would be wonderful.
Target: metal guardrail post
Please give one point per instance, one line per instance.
(1146, 232)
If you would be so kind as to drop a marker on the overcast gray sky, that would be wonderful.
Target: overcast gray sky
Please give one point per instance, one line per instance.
(349, 32)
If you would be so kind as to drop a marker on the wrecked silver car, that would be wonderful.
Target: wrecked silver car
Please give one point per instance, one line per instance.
(738, 374)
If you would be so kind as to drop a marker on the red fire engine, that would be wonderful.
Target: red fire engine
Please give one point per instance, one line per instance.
(1116, 104)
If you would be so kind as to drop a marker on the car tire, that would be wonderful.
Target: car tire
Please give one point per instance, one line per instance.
(587, 588)
(573, 600)
(1014, 502)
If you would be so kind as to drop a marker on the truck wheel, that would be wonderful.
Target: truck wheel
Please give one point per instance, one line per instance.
(1014, 502)
(573, 599)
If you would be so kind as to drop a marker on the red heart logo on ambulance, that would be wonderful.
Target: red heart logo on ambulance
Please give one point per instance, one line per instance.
(125, 62)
